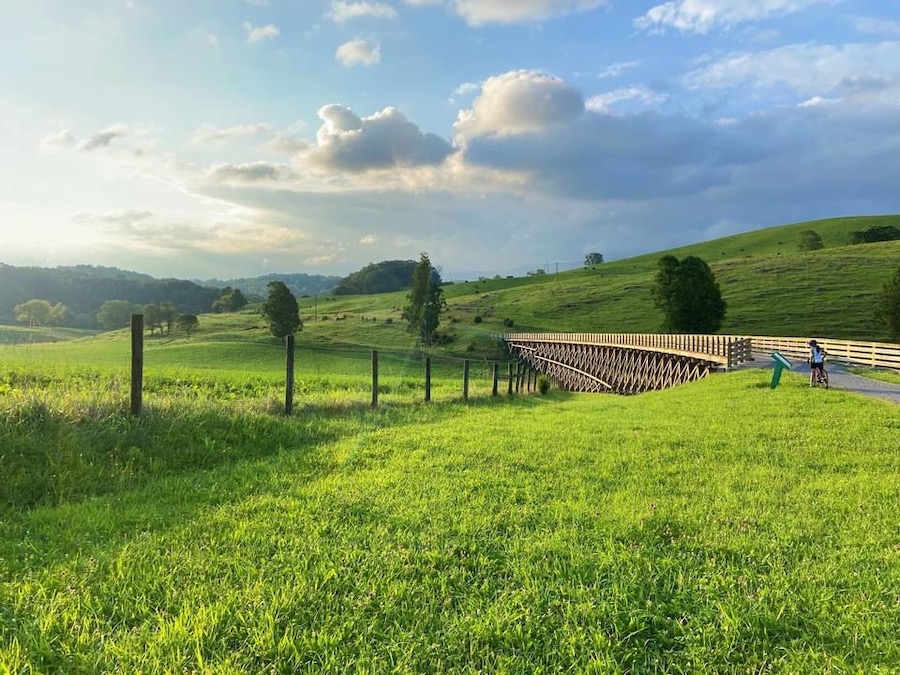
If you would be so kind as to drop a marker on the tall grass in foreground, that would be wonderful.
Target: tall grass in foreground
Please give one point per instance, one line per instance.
(717, 527)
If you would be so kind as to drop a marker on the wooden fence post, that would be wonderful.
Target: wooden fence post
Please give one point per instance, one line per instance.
(374, 378)
(427, 379)
(495, 379)
(466, 380)
(137, 363)
(289, 376)
(509, 377)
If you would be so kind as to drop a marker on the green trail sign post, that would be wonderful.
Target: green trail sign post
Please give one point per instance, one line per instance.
(780, 364)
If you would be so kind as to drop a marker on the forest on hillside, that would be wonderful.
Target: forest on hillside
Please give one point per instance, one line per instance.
(257, 287)
(84, 288)
(383, 277)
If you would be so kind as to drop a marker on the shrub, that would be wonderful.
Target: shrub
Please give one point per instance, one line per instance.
(477, 318)
(543, 384)
(508, 323)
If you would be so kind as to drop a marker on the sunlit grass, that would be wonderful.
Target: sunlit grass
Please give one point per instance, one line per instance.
(877, 374)
(717, 527)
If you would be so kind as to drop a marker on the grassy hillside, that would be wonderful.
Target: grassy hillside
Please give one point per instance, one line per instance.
(771, 289)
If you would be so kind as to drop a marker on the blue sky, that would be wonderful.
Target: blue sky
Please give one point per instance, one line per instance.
(238, 137)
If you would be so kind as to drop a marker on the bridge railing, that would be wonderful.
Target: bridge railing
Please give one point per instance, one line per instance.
(731, 350)
(852, 352)
(728, 350)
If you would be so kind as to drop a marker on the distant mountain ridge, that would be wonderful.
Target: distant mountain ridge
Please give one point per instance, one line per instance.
(299, 284)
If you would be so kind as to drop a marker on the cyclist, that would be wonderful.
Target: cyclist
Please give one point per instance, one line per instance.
(817, 365)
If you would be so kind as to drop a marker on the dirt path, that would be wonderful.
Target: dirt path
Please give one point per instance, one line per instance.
(838, 378)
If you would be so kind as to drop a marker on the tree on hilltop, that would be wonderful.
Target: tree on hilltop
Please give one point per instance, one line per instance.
(593, 259)
(810, 241)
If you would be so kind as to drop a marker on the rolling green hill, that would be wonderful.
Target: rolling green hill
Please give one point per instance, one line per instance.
(770, 286)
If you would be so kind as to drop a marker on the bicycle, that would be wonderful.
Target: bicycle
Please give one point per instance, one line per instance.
(819, 375)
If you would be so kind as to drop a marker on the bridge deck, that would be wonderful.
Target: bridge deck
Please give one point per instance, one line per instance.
(719, 359)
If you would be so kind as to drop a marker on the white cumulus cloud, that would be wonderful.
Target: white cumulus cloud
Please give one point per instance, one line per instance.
(519, 102)
(385, 140)
(358, 53)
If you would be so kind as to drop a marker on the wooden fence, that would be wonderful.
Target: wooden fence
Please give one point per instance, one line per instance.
(851, 352)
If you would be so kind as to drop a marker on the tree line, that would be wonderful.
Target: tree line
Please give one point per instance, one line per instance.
(83, 289)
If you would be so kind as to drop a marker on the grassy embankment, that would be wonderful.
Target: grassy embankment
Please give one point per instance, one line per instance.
(716, 527)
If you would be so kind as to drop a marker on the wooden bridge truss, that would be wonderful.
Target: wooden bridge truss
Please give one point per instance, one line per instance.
(625, 364)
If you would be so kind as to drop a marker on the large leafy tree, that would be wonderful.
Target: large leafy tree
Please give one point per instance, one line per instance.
(688, 295)
(116, 313)
(665, 292)
(889, 305)
(153, 318)
(425, 300)
(231, 300)
(593, 259)
(187, 323)
(281, 311)
(38, 312)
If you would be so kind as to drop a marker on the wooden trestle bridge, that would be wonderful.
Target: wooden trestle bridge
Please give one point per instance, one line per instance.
(626, 363)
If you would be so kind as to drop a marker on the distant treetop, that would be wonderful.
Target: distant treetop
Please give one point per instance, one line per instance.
(383, 277)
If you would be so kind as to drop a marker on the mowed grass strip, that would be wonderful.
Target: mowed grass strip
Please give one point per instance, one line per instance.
(717, 527)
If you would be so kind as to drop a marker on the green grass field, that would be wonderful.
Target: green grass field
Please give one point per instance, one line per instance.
(716, 527)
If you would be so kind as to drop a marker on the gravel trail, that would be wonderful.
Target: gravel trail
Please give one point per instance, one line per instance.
(838, 378)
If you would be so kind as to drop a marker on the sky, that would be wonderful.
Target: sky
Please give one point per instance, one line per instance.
(231, 138)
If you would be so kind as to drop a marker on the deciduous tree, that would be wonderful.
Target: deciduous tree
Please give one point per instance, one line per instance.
(281, 311)
(115, 314)
(231, 300)
(593, 259)
(810, 241)
(152, 318)
(889, 306)
(187, 323)
(425, 300)
(688, 295)
(38, 312)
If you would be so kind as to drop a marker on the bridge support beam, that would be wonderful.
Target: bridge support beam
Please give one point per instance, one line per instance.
(609, 369)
